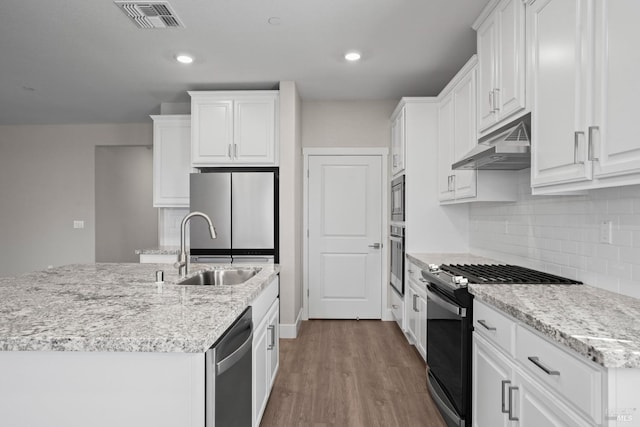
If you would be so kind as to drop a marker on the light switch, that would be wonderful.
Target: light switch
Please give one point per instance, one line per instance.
(78, 223)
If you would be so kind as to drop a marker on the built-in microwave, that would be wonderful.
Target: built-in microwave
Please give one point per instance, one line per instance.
(397, 199)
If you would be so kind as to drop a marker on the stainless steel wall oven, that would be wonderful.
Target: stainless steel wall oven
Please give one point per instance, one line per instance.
(397, 199)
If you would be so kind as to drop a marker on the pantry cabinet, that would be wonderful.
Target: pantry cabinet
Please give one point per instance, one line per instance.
(234, 128)
(583, 92)
(171, 160)
(501, 63)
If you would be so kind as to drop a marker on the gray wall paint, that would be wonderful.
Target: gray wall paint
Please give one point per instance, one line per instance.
(125, 217)
(46, 182)
(347, 123)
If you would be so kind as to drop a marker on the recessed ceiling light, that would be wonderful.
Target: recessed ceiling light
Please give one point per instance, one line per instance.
(274, 20)
(352, 56)
(184, 59)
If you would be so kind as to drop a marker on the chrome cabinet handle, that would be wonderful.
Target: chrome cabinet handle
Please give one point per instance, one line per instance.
(395, 160)
(496, 104)
(376, 246)
(415, 298)
(395, 306)
(487, 327)
(510, 412)
(536, 361)
(453, 182)
(235, 151)
(576, 143)
(272, 345)
(491, 109)
(504, 409)
(229, 151)
(591, 129)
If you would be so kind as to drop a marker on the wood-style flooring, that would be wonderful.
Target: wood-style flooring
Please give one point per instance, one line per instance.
(350, 373)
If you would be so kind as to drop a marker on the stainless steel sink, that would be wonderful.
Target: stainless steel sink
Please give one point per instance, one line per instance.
(221, 277)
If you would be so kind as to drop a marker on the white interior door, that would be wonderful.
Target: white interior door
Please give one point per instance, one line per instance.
(345, 224)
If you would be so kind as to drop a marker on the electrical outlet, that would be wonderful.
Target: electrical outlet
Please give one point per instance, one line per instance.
(78, 223)
(605, 232)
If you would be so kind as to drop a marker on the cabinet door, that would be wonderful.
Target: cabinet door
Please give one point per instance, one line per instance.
(465, 133)
(558, 85)
(254, 138)
(492, 374)
(171, 160)
(445, 149)
(398, 143)
(536, 407)
(211, 132)
(412, 314)
(273, 346)
(261, 380)
(422, 326)
(487, 70)
(510, 95)
(614, 135)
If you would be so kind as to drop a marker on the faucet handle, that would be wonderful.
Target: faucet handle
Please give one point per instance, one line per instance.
(179, 264)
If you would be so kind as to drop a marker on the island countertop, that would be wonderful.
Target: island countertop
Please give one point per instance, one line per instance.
(119, 307)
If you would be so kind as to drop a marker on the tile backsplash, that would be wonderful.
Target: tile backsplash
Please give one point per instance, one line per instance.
(169, 221)
(593, 237)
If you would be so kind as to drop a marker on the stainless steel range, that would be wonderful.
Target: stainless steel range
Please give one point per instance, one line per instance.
(450, 324)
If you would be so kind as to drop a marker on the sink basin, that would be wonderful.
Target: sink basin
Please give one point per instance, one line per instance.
(221, 277)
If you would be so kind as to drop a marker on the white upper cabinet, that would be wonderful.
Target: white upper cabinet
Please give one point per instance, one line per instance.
(583, 94)
(398, 141)
(501, 63)
(615, 147)
(171, 160)
(234, 128)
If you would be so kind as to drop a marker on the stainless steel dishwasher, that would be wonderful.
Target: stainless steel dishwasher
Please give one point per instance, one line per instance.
(228, 376)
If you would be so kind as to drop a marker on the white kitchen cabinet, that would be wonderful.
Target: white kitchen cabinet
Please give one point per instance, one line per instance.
(234, 128)
(501, 62)
(522, 379)
(583, 94)
(416, 309)
(171, 160)
(457, 135)
(398, 141)
(266, 347)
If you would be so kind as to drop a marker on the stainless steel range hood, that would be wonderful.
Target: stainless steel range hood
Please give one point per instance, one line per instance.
(508, 148)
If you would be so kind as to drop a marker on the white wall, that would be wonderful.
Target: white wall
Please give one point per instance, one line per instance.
(47, 180)
(347, 123)
(290, 210)
(560, 234)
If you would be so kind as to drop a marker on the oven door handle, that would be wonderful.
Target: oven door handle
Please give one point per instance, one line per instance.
(452, 308)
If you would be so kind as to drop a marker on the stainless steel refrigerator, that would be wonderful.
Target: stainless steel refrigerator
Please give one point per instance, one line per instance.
(243, 205)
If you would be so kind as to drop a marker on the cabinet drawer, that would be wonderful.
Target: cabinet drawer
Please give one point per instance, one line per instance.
(397, 307)
(577, 381)
(413, 272)
(494, 326)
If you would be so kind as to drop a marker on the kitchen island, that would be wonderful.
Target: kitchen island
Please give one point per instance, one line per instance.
(103, 344)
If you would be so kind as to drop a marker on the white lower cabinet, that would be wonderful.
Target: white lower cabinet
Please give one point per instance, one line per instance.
(416, 310)
(266, 358)
(521, 379)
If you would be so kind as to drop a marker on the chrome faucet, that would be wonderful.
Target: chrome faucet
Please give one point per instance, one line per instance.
(182, 262)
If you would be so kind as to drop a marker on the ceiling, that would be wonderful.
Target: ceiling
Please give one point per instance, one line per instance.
(84, 61)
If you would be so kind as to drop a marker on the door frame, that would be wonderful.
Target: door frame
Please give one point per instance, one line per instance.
(381, 152)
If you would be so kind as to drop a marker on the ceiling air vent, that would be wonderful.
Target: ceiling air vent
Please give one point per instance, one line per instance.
(150, 15)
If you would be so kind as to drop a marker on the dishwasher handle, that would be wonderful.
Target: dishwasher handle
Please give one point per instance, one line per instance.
(231, 360)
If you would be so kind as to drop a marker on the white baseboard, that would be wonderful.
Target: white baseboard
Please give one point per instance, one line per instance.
(290, 331)
(387, 315)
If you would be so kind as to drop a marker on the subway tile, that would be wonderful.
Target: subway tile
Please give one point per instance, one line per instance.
(630, 287)
(620, 206)
(607, 252)
(621, 270)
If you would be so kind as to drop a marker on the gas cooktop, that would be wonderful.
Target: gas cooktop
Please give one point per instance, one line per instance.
(503, 274)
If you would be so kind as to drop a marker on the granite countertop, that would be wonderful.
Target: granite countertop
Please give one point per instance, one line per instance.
(601, 325)
(119, 307)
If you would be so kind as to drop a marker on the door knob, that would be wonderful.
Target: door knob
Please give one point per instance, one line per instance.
(375, 246)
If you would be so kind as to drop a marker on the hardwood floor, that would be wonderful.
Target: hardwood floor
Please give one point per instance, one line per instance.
(350, 373)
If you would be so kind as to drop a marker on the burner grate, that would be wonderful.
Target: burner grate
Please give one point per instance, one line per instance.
(506, 274)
